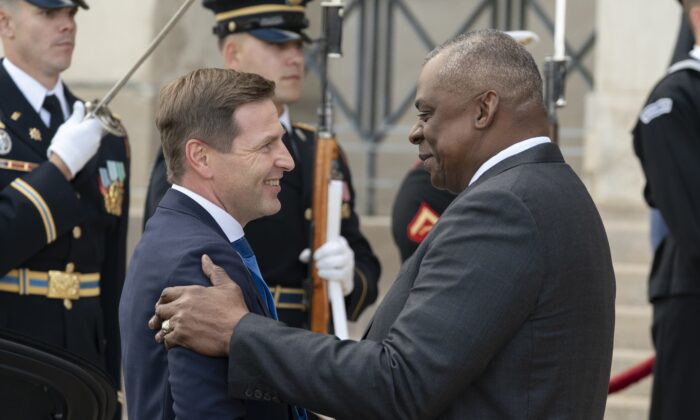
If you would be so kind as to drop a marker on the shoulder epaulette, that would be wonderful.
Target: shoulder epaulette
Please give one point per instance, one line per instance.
(304, 126)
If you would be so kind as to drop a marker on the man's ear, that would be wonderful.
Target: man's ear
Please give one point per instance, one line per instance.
(7, 26)
(231, 52)
(487, 106)
(198, 158)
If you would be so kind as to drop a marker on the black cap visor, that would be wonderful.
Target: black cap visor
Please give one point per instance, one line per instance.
(58, 4)
(278, 36)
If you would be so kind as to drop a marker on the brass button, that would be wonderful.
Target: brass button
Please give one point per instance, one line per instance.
(70, 267)
(308, 214)
(346, 212)
(77, 232)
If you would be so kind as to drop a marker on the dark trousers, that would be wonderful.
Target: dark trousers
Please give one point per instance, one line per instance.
(676, 334)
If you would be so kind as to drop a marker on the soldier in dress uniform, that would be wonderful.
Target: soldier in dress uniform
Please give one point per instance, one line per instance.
(266, 37)
(667, 143)
(63, 201)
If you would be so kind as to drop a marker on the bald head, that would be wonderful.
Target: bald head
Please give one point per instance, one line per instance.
(490, 60)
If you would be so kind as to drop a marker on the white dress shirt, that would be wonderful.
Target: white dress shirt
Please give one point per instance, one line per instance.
(509, 151)
(226, 222)
(35, 92)
(695, 52)
(286, 120)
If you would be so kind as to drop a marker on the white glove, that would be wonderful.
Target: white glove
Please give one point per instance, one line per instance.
(335, 261)
(76, 141)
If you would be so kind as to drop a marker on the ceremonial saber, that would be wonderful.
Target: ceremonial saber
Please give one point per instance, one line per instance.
(100, 110)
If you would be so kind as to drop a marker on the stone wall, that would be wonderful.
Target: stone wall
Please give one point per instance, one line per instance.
(633, 49)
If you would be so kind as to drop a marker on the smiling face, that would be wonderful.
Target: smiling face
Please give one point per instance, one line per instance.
(39, 41)
(246, 179)
(448, 144)
(282, 63)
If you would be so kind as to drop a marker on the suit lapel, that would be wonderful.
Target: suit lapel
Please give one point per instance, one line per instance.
(542, 153)
(20, 118)
(175, 200)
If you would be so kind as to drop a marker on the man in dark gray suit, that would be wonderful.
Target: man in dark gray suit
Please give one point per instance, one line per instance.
(506, 309)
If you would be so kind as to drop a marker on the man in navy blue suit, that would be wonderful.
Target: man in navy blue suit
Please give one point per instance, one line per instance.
(225, 157)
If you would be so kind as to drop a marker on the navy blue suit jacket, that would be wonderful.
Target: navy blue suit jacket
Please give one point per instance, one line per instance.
(162, 384)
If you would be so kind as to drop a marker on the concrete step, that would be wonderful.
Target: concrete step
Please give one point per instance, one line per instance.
(632, 327)
(631, 281)
(627, 407)
(629, 239)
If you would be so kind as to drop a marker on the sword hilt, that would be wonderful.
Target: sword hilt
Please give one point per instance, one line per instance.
(108, 121)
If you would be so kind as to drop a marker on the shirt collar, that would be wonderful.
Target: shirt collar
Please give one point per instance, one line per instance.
(509, 151)
(232, 229)
(695, 52)
(286, 120)
(34, 91)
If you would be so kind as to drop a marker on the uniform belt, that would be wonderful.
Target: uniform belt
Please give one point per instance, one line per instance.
(53, 284)
(289, 298)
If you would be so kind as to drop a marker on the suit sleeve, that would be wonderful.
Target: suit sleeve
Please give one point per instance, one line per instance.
(38, 208)
(198, 383)
(477, 284)
(367, 267)
(671, 156)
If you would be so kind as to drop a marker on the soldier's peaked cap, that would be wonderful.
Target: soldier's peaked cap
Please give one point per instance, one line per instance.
(273, 21)
(57, 4)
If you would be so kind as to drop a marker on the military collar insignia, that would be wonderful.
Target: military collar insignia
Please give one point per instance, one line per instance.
(35, 134)
(5, 140)
(15, 116)
(111, 181)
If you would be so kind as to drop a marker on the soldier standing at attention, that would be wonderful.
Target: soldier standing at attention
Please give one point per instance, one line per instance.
(266, 37)
(667, 143)
(63, 201)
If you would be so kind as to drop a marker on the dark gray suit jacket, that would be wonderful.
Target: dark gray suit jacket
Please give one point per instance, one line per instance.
(505, 311)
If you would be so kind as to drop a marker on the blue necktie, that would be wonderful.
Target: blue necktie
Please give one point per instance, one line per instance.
(243, 248)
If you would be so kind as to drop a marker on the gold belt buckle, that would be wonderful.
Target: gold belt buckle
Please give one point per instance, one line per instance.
(64, 285)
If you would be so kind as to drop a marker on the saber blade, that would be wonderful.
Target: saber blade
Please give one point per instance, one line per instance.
(120, 84)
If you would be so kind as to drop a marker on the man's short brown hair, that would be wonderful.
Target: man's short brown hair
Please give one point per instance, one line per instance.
(200, 105)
